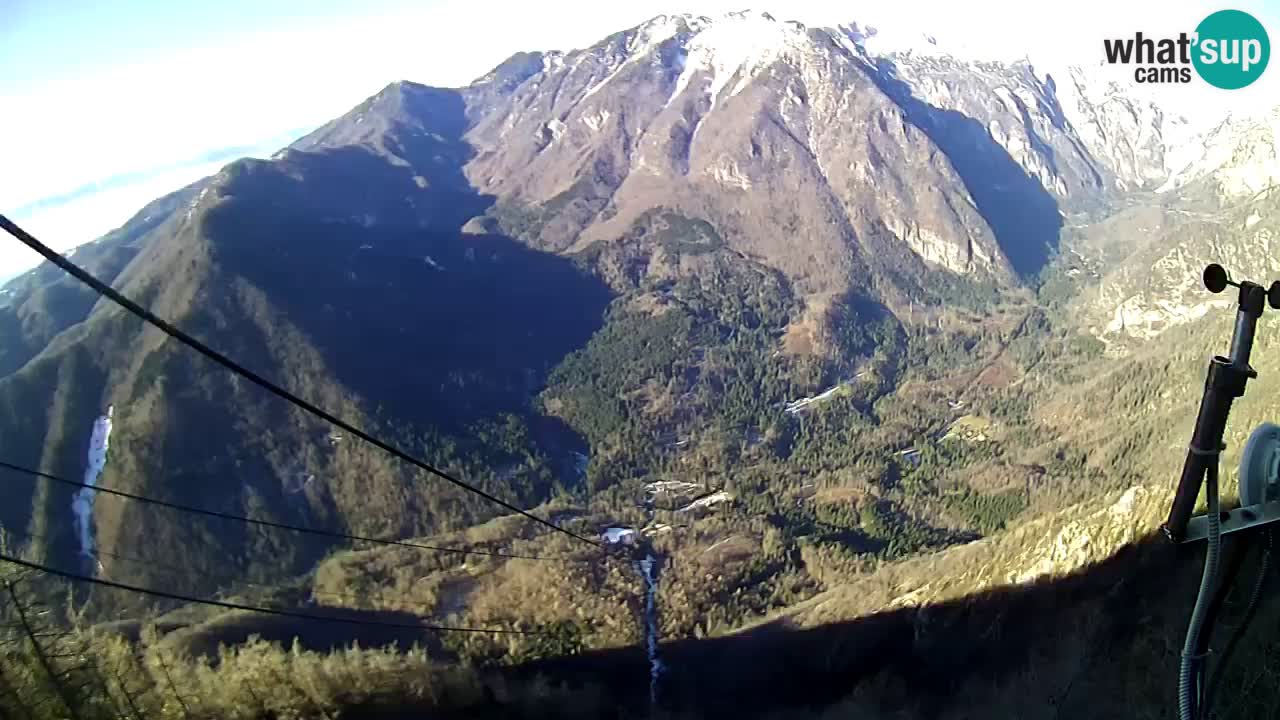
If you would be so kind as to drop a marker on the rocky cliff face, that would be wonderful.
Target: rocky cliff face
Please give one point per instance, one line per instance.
(1138, 267)
(813, 150)
(1131, 140)
(1238, 158)
(1152, 282)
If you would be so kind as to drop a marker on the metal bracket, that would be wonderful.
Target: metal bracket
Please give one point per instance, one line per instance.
(1234, 521)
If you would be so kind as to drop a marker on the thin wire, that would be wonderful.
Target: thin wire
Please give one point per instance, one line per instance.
(266, 523)
(251, 608)
(150, 562)
(107, 291)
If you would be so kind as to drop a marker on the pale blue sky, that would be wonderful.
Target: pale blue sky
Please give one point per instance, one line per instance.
(107, 105)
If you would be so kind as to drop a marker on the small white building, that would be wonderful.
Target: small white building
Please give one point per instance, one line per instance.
(618, 536)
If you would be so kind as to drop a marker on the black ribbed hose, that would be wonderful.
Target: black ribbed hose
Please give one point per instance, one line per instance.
(1255, 599)
(1190, 672)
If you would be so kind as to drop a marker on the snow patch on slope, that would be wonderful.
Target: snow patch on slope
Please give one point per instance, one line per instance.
(647, 37)
(553, 60)
(596, 120)
(554, 129)
(711, 500)
(728, 173)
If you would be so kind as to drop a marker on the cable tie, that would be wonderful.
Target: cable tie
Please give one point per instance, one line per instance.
(1206, 453)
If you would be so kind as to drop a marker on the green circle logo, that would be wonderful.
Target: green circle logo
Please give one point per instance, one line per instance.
(1232, 49)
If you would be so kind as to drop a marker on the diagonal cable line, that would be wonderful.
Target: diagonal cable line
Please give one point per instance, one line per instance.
(268, 523)
(250, 608)
(151, 562)
(110, 293)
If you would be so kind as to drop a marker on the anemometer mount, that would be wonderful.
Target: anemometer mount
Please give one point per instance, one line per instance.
(1224, 383)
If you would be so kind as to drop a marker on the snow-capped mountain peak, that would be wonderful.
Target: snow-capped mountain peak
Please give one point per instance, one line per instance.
(735, 46)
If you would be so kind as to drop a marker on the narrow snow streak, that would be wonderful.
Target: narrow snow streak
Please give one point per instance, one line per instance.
(714, 498)
(795, 406)
(647, 570)
(82, 503)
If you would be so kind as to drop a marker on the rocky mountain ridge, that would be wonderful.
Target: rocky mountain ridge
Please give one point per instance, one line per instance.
(712, 108)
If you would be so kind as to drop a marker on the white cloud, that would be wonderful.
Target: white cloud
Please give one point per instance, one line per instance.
(89, 217)
(65, 225)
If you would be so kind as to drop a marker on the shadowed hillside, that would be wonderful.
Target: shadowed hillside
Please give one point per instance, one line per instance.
(343, 275)
(1101, 643)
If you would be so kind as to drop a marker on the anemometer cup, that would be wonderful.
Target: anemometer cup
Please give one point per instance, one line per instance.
(1216, 278)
